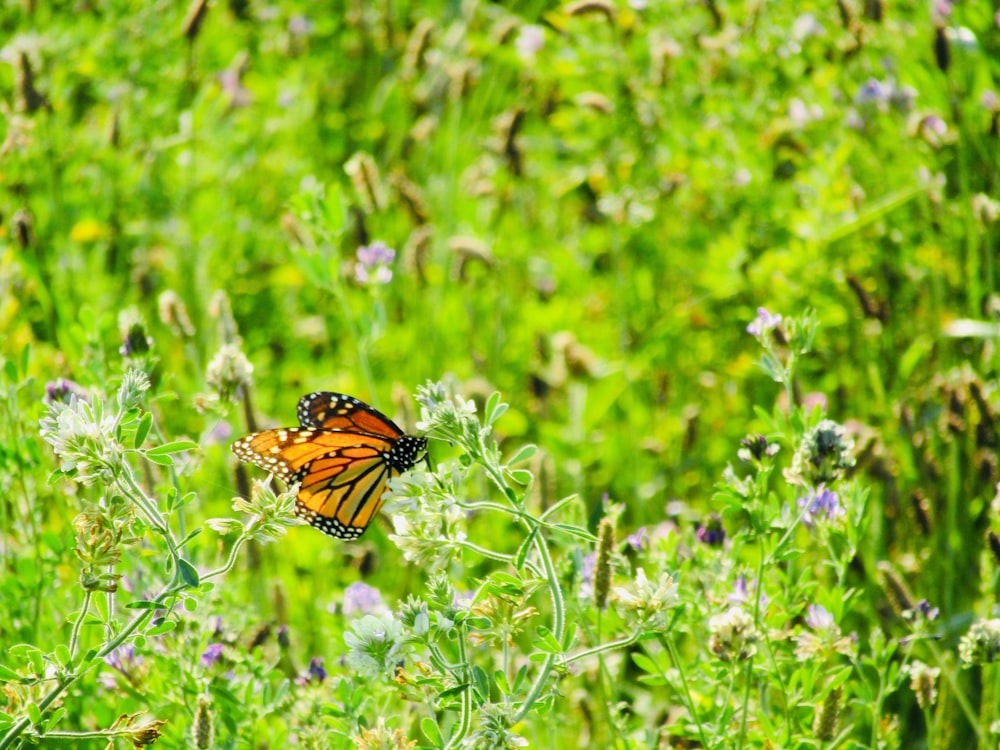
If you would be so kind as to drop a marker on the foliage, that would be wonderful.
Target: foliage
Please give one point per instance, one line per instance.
(598, 209)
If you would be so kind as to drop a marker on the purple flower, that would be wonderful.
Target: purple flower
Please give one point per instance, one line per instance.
(639, 540)
(818, 618)
(820, 504)
(872, 93)
(711, 532)
(374, 264)
(212, 655)
(743, 593)
(530, 40)
(316, 672)
(360, 598)
(764, 321)
(63, 390)
(124, 659)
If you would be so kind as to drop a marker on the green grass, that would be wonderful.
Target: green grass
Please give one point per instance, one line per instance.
(669, 171)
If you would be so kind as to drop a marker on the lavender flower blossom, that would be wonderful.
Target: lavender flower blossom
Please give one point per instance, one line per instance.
(374, 264)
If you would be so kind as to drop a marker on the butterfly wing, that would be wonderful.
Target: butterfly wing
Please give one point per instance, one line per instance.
(336, 411)
(342, 475)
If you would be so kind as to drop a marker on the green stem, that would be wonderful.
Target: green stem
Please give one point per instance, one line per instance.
(74, 639)
(66, 680)
(465, 720)
(668, 643)
(620, 643)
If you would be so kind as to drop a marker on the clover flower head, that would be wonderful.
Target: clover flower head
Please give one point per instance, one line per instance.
(923, 682)
(646, 599)
(360, 598)
(824, 453)
(230, 372)
(429, 525)
(82, 436)
(375, 644)
(981, 645)
(271, 513)
(733, 636)
(756, 448)
(374, 264)
(819, 506)
(764, 322)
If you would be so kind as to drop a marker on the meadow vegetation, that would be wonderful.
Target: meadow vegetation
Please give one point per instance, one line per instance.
(695, 302)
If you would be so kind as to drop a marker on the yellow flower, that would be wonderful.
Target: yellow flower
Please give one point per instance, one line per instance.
(87, 230)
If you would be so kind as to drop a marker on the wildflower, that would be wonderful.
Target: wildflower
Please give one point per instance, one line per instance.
(125, 660)
(211, 655)
(819, 506)
(648, 600)
(742, 592)
(413, 613)
(530, 39)
(494, 733)
(923, 682)
(933, 130)
(375, 643)
(638, 540)
(733, 635)
(824, 454)
(374, 264)
(450, 416)
(135, 341)
(144, 734)
(380, 738)
(756, 448)
(981, 644)
(426, 520)
(173, 313)
(202, 728)
(315, 672)
(873, 94)
(711, 533)
(83, 439)
(360, 598)
(825, 638)
(271, 514)
(63, 391)
(587, 569)
(764, 322)
(505, 618)
(230, 372)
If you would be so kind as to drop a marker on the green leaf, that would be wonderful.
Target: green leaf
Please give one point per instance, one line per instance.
(164, 627)
(452, 691)
(481, 681)
(143, 604)
(432, 732)
(33, 713)
(525, 452)
(524, 549)
(62, 655)
(8, 674)
(189, 574)
(173, 447)
(161, 460)
(522, 476)
(11, 370)
(54, 719)
(645, 663)
(142, 430)
(500, 679)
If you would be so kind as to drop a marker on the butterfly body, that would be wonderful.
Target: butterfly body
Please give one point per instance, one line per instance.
(342, 457)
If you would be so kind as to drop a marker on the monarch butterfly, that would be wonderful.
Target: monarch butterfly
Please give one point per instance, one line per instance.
(342, 455)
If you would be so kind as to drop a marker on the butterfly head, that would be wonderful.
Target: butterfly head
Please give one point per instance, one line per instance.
(406, 452)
